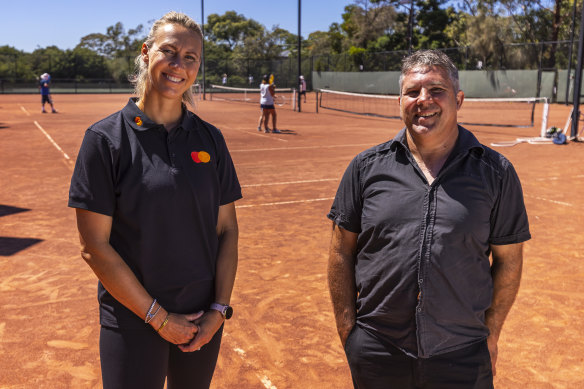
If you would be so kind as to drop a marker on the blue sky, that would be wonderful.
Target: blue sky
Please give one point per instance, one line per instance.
(28, 24)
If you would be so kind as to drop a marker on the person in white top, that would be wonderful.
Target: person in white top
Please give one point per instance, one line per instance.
(302, 87)
(267, 94)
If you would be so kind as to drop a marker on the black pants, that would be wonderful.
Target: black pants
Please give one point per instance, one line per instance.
(375, 364)
(141, 359)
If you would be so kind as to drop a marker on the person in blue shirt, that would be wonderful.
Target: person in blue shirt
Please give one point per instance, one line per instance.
(44, 86)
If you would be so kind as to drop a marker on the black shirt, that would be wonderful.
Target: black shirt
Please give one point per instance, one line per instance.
(163, 190)
(422, 268)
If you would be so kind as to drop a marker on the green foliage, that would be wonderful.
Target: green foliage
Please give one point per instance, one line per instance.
(231, 29)
(373, 33)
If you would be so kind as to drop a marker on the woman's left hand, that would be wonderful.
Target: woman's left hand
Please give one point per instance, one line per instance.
(208, 325)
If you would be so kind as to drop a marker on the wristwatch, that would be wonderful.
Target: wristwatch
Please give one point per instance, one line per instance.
(225, 310)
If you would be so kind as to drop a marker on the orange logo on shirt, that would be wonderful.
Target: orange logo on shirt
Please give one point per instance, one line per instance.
(200, 156)
(138, 120)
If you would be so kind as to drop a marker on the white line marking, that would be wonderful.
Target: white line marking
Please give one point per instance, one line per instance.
(298, 148)
(51, 140)
(551, 201)
(267, 383)
(557, 178)
(284, 202)
(24, 110)
(289, 182)
(256, 133)
(263, 378)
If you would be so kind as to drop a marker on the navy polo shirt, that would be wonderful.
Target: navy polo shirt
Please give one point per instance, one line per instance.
(163, 191)
(422, 267)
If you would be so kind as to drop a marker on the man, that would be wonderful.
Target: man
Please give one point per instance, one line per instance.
(416, 301)
(44, 86)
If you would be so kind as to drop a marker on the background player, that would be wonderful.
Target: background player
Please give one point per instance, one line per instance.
(44, 86)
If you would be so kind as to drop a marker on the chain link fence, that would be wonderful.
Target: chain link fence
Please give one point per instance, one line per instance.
(75, 73)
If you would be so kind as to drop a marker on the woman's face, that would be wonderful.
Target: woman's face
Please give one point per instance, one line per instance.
(173, 61)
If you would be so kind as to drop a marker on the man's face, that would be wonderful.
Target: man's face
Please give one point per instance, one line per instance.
(428, 102)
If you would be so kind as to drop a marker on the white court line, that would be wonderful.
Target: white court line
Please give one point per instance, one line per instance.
(256, 133)
(557, 178)
(299, 148)
(264, 378)
(284, 202)
(290, 182)
(24, 110)
(51, 140)
(551, 201)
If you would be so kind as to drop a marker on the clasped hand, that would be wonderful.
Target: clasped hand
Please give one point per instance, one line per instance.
(193, 331)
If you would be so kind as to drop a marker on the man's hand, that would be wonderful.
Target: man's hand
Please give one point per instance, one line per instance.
(344, 334)
(493, 351)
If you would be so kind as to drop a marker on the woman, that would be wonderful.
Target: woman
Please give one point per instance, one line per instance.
(154, 189)
(267, 94)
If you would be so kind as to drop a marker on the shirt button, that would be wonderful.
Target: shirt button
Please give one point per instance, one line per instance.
(419, 310)
(420, 280)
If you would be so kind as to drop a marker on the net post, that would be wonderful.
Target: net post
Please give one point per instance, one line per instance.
(294, 100)
(544, 119)
(316, 91)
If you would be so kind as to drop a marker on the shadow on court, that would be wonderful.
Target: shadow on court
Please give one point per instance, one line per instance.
(6, 210)
(288, 132)
(10, 246)
(2, 125)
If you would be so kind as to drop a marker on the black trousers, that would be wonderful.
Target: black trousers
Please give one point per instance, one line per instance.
(378, 365)
(141, 359)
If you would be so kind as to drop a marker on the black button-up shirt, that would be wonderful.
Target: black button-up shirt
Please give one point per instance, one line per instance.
(163, 190)
(422, 268)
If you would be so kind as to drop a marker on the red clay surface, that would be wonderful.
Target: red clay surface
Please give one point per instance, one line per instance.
(282, 334)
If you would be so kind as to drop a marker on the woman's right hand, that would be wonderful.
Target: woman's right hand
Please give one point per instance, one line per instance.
(179, 329)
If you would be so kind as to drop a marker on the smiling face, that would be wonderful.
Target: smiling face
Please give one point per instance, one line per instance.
(429, 102)
(173, 61)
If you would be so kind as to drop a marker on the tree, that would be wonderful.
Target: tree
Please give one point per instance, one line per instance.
(432, 21)
(231, 29)
(116, 42)
(366, 20)
(14, 64)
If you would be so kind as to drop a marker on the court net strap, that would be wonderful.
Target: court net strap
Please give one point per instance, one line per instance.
(246, 90)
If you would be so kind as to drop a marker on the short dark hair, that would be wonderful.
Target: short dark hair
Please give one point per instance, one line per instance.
(425, 59)
(265, 78)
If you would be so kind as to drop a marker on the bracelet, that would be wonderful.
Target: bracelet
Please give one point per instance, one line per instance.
(163, 323)
(149, 314)
(154, 314)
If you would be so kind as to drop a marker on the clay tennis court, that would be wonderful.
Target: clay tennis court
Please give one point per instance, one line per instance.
(282, 334)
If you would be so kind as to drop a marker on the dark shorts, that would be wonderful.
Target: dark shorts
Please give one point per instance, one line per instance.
(377, 365)
(142, 359)
(46, 99)
(302, 92)
(266, 106)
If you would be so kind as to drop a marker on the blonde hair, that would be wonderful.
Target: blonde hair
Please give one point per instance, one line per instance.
(140, 76)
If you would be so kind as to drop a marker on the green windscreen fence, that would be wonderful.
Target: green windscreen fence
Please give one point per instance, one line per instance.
(566, 83)
(474, 83)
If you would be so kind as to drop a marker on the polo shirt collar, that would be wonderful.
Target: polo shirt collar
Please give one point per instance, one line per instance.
(140, 122)
(465, 143)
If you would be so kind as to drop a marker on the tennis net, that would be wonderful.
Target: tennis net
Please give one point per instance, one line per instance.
(250, 95)
(386, 106)
(501, 112)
